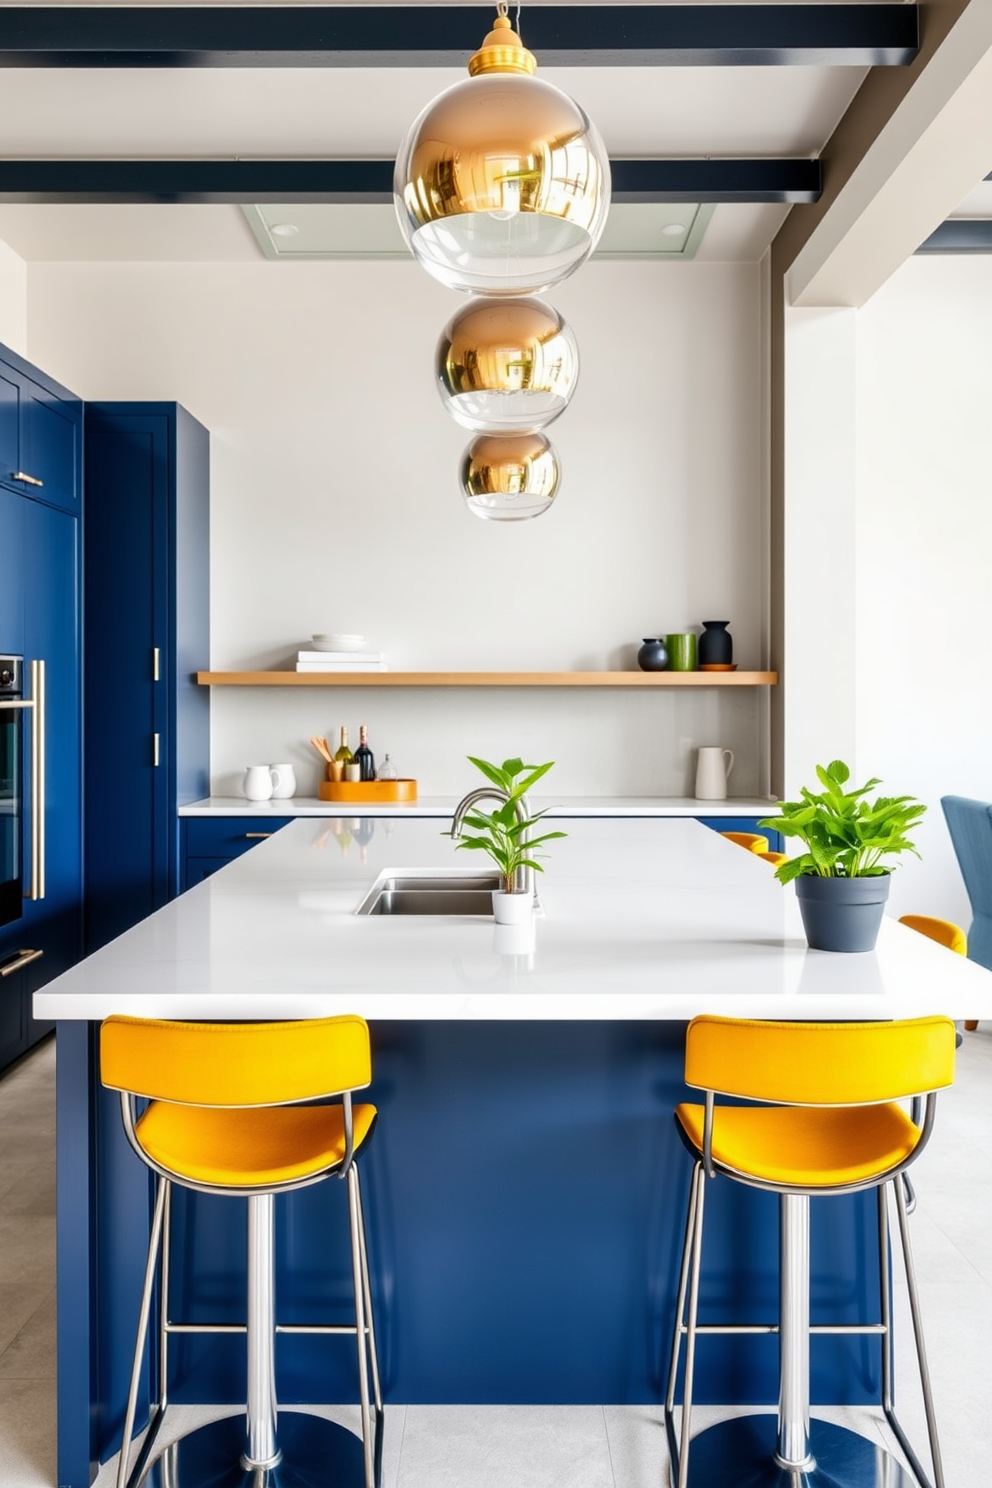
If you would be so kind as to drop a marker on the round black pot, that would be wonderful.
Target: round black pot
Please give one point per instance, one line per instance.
(842, 914)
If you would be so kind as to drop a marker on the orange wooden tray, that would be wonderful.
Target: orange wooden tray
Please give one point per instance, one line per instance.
(367, 790)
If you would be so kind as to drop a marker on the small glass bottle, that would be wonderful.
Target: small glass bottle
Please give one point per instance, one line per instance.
(343, 753)
(364, 756)
(387, 770)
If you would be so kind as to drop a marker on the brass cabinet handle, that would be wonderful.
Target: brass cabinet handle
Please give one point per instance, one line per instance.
(29, 480)
(17, 960)
(252, 835)
(38, 755)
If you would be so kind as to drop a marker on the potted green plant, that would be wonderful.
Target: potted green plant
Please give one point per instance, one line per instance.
(842, 881)
(503, 834)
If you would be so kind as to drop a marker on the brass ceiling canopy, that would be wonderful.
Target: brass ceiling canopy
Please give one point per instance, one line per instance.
(502, 185)
(506, 365)
(509, 478)
(502, 50)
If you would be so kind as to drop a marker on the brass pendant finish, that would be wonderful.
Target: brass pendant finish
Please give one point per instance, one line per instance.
(502, 185)
(510, 478)
(506, 365)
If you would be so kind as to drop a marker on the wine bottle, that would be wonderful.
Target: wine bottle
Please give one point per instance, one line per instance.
(343, 753)
(364, 756)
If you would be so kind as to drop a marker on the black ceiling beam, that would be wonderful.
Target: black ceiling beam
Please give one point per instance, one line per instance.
(849, 35)
(101, 181)
(960, 235)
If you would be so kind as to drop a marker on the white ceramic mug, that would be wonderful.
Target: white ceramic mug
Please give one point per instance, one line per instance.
(283, 782)
(258, 783)
(713, 767)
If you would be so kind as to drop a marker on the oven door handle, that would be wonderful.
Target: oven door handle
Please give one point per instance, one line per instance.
(35, 704)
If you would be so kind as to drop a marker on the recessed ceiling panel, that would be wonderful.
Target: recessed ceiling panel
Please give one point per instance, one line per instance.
(318, 230)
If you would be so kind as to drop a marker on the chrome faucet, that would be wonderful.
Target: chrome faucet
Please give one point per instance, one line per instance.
(524, 878)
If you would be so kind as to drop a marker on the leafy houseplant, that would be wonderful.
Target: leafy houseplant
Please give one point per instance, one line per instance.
(502, 833)
(841, 880)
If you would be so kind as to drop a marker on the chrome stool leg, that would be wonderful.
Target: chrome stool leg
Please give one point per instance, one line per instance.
(154, 1244)
(265, 1447)
(691, 1256)
(902, 1210)
(262, 1450)
(788, 1450)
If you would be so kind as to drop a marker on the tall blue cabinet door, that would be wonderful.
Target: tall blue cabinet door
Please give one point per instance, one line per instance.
(50, 451)
(126, 622)
(10, 424)
(51, 580)
(12, 582)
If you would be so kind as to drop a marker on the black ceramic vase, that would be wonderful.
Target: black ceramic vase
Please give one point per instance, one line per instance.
(842, 914)
(653, 656)
(716, 647)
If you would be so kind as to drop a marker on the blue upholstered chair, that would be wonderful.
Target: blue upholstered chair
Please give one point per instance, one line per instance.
(970, 826)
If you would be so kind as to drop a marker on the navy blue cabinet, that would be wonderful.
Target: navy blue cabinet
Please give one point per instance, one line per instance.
(210, 842)
(147, 629)
(41, 438)
(40, 448)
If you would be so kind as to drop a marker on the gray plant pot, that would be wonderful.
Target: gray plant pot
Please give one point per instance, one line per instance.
(842, 914)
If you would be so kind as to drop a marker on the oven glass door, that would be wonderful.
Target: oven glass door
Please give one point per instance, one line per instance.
(11, 812)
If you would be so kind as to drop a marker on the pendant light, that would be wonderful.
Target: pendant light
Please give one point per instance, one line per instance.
(506, 366)
(509, 478)
(502, 184)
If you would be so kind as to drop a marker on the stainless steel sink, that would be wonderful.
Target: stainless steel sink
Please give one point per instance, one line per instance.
(431, 894)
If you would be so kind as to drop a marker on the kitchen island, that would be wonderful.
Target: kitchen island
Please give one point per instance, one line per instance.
(525, 1186)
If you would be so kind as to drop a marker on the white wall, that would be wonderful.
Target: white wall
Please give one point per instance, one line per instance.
(13, 300)
(335, 504)
(924, 571)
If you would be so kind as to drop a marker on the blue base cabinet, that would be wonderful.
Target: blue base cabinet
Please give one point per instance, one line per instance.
(40, 504)
(211, 842)
(147, 628)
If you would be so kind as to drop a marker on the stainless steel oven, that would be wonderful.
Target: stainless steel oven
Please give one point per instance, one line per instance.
(22, 786)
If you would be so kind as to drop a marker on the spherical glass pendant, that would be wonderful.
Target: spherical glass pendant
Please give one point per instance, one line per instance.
(509, 478)
(506, 366)
(502, 185)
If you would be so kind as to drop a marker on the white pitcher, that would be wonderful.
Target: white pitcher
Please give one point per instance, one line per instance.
(283, 782)
(713, 767)
(258, 783)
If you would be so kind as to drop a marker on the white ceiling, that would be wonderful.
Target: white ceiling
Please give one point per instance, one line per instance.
(314, 113)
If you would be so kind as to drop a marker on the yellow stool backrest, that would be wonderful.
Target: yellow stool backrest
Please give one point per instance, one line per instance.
(943, 931)
(820, 1064)
(775, 858)
(752, 841)
(235, 1064)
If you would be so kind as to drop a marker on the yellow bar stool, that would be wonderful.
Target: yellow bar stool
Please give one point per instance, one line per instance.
(833, 1125)
(750, 841)
(226, 1115)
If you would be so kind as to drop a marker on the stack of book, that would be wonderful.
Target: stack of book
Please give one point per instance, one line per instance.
(341, 661)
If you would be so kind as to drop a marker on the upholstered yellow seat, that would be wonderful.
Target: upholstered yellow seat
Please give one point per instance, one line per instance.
(249, 1149)
(831, 1121)
(246, 1109)
(806, 1148)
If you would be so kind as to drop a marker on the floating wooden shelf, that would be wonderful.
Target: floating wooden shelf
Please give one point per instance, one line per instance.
(487, 679)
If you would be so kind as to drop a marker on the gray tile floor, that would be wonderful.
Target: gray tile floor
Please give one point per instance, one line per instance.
(533, 1447)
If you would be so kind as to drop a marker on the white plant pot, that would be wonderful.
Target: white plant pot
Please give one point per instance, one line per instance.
(512, 909)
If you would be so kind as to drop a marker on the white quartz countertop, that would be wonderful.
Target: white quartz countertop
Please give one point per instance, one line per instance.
(443, 806)
(641, 919)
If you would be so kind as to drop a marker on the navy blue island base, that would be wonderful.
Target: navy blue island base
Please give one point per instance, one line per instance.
(525, 1194)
